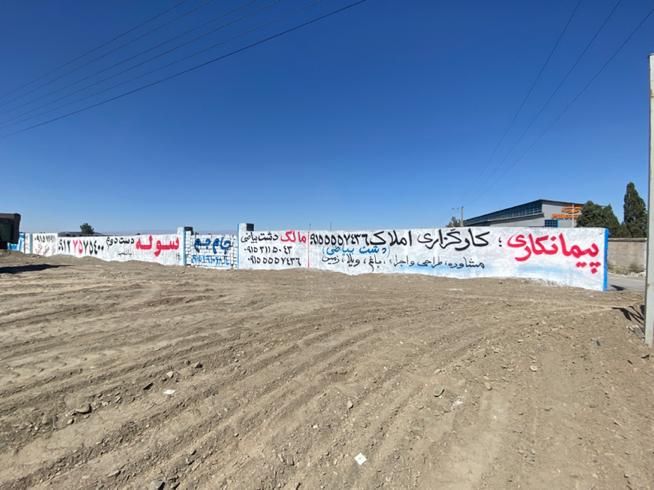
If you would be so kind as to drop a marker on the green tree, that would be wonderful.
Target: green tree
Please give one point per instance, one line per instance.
(454, 223)
(635, 213)
(86, 229)
(596, 216)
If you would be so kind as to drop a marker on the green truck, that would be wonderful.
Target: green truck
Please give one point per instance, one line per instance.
(9, 229)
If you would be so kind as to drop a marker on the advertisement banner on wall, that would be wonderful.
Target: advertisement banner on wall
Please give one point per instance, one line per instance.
(162, 249)
(44, 244)
(211, 251)
(286, 249)
(574, 257)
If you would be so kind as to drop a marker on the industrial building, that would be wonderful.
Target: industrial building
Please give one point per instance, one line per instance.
(543, 212)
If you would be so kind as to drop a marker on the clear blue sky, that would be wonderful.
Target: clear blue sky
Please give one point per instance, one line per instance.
(383, 116)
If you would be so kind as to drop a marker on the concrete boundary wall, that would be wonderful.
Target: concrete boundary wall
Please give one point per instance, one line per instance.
(627, 254)
(572, 257)
(211, 251)
(43, 244)
(162, 249)
(20, 246)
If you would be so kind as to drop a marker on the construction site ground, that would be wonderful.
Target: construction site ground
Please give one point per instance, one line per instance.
(134, 375)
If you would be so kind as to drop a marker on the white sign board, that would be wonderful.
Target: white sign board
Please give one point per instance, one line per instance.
(211, 251)
(574, 257)
(272, 249)
(44, 244)
(162, 249)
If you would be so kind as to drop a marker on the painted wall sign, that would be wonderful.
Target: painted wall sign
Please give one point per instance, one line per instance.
(162, 249)
(574, 257)
(286, 249)
(20, 246)
(44, 244)
(211, 251)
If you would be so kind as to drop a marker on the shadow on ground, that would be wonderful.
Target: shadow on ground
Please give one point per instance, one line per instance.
(636, 315)
(18, 269)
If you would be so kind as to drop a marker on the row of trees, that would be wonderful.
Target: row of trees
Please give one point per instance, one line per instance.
(634, 224)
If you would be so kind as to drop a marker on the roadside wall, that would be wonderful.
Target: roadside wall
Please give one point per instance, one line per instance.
(211, 251)
(573, 257)
(44, 244)
(162, 249)
(20, 246)
(627, 254)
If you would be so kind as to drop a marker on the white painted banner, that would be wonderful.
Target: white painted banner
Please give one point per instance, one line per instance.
(570, 256)
(44, 244)
(574, 257)
(286, 249)
(211, 251)
(162, 249)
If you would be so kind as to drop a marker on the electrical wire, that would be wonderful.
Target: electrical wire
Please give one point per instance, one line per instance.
(509, 126)
(150, 72)
(20, 117)
(104, 55)
(93, 50)
(194, 68)
(537, 79)
(558, 87)
(615, 53)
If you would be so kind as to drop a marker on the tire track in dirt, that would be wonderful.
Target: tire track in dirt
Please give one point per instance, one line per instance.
(135, 391)
(188, 433)
(182, 348)
(277, 376)
(286, 418)
(319, 336)
(279, 471)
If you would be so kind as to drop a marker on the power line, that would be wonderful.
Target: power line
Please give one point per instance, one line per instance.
(67, 63)
(20, 117)
(195, 67)
(538, 77)
(558, 87)
(142, 75)
(104, 55)
(528, 94)
(626, 41)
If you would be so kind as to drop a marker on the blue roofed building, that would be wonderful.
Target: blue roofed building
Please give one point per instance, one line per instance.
(542, 212)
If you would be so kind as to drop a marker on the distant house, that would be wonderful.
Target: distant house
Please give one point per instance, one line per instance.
(543, 212)
(76, 234)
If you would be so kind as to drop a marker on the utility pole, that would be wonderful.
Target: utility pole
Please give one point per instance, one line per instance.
(460, 208)
(649, 281)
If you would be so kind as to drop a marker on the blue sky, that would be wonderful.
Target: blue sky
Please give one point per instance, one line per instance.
(383, 116)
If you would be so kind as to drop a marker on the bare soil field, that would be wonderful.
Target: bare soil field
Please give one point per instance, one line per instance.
(141, 376)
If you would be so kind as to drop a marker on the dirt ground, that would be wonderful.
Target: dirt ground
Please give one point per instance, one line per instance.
(281, 379)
